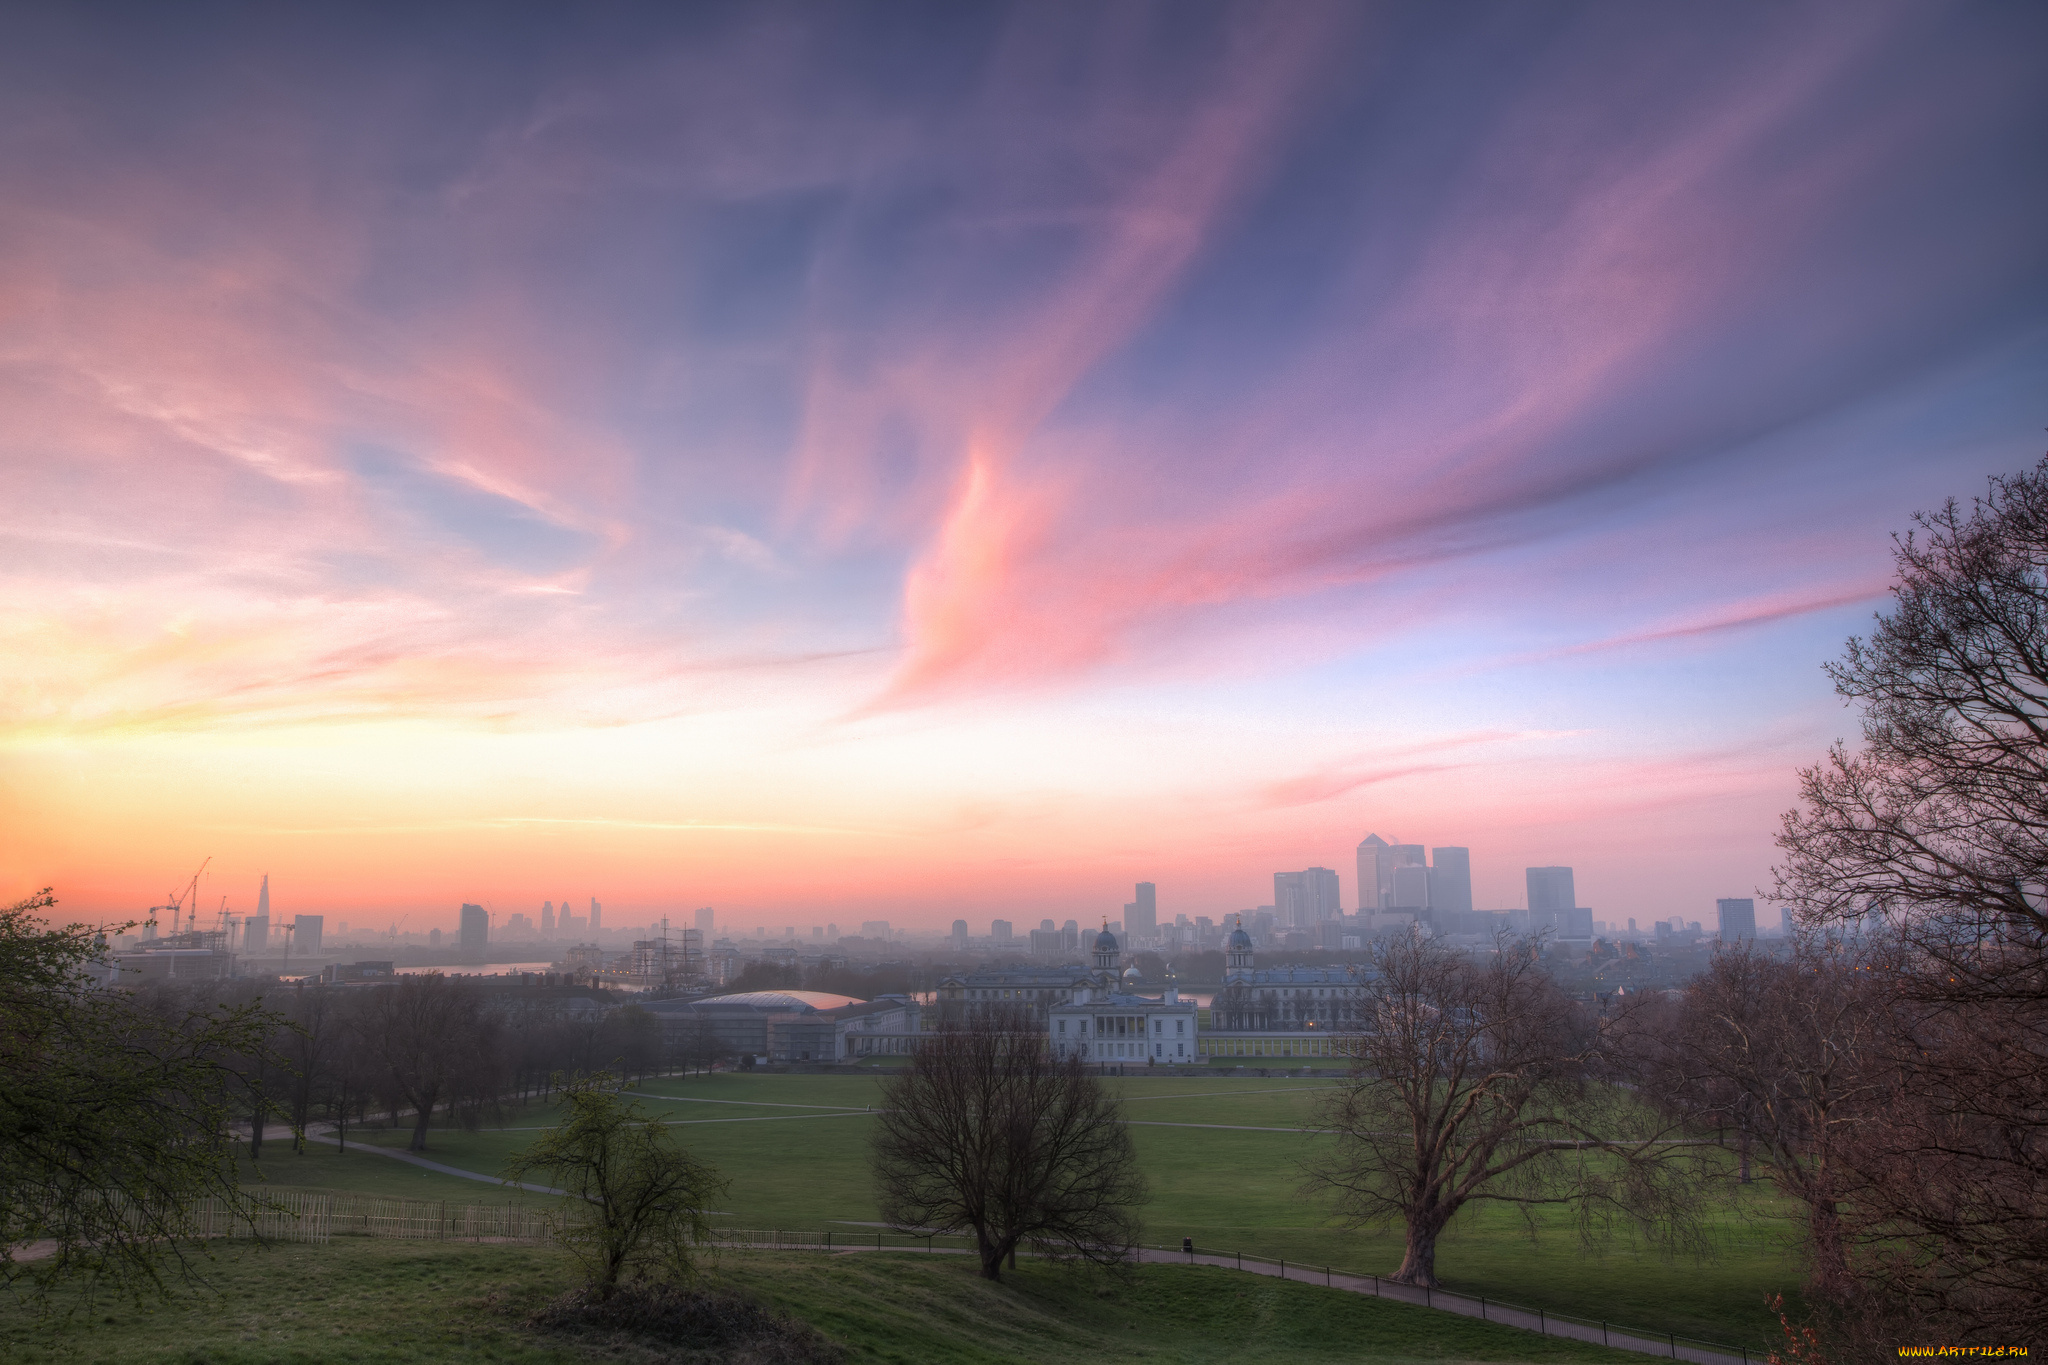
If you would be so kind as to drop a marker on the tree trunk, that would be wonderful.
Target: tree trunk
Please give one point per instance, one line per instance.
(422, 1115)
(1418, 1262)
(1829, 1274)
(991, 1252)
(256, 1133)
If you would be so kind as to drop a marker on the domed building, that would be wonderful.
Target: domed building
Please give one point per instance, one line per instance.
(1107, 1022)
(1281, 1012)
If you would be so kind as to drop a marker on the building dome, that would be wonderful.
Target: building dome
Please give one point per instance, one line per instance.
(1105, 942)
(784, 1002)
(1239, 938)
(1131, 973)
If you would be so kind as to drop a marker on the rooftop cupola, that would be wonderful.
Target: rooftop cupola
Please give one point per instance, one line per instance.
(1106, 951)
(1237, 953)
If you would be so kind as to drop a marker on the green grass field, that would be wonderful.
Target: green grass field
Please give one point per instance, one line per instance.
(367, 1301)
(795, 1150)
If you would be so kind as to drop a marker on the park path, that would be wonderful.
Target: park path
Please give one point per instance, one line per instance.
(1469, 1306)
(316, 1135)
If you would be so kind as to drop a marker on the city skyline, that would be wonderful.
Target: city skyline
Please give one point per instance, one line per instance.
(844, 468)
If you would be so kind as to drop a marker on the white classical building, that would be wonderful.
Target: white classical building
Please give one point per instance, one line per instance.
(1102, 1023)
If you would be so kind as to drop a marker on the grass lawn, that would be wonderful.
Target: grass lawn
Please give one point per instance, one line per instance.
(796, 1151)
(381, 1301)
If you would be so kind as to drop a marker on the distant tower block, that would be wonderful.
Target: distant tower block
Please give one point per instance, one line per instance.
(596, 915)
(1738, 918)
(1141, 916)
(1372, 881)
(547, 918)
(476, 932)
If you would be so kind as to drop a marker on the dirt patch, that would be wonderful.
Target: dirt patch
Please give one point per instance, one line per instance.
(668, 1325)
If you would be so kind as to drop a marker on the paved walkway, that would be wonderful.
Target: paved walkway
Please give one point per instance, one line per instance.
(396, 1155)
(1445, 1301)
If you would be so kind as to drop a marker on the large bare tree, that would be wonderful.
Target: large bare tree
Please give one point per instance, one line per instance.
(986, 1131)
(1786, 1053)
(428, 1034)
(1475, 1079)
(1934, 833)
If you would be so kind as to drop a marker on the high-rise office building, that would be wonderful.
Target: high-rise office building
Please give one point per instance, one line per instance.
(1410, 890)
(959, 935)
(1738, 919)
(475, 932)
(256, 933)
(1141, 916)
(1372, 888)
(1305, 898)
(547, 918)
(1550, 891)
(706, 922)
(1785, 920)
(874, 928)
(1450, 880)
(1000, 930)
(596, 915)
(307, 931)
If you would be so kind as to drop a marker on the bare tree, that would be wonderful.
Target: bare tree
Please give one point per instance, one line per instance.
(424, 1031)
(1790, 1054)
(1475, 1079)
(1937, 827)
(986, 1131)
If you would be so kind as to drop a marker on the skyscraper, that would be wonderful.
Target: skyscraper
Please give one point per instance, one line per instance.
(959, 935)
(705, 923)
(1550, 892)
(547, 918)
(1450, 880)
(307, 931)
(1738, 919)
(476, 932)
(596, 915)
(1141, 916)
(256, 933)
(1372, 883)
(1410, 890)
(1305, 898)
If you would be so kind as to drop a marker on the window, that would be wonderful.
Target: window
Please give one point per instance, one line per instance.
(1180, 1026)
(1063, 1026)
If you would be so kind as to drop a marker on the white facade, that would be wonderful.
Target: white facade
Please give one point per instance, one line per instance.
(1104, 1025)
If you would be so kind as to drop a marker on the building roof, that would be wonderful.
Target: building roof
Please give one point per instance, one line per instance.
(764, 1002)
(1105, 942)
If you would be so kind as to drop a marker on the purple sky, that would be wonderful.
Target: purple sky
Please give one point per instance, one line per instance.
(832, 461)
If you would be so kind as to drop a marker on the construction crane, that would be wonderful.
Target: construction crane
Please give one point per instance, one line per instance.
(175, 900)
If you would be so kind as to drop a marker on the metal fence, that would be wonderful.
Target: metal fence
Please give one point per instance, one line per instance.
(1543, 1320)
(294, 1216)
(1618, 1335)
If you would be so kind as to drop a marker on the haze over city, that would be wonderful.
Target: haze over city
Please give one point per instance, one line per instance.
(905, 463)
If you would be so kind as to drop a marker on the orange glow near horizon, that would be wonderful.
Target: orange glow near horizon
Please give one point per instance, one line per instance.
(830, 474)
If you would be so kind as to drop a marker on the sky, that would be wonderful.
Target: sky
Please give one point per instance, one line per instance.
(903, 461)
